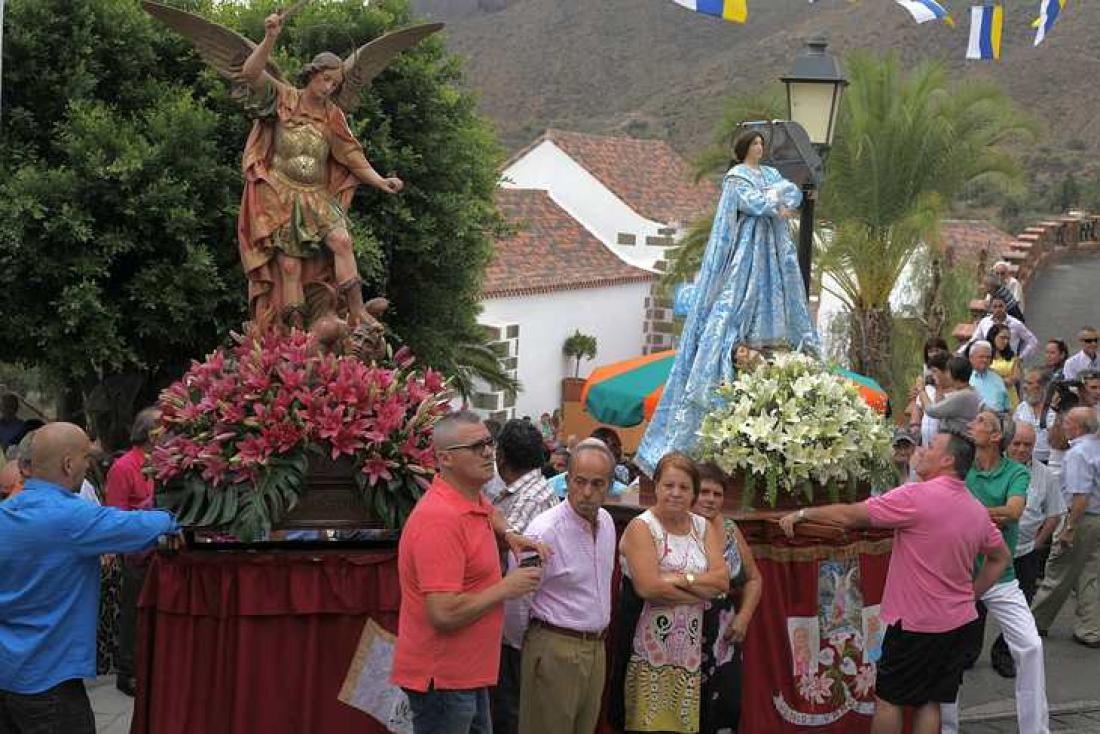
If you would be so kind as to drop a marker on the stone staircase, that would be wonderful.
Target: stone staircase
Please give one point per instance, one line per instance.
(1045, 240)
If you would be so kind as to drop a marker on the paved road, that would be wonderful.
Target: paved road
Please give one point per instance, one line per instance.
(1062, 298)
(987, 704)
(987, 701)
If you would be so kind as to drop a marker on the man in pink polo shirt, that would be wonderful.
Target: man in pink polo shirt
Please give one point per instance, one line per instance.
(929, 599)
(448, 561)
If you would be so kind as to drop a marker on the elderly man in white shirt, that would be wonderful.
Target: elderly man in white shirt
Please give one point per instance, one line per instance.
(1030, 411)
(1086, 359)
(1003, 271)
(1074, 562)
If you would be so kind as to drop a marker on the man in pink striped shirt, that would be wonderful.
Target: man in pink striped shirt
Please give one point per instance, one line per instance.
(563, 650)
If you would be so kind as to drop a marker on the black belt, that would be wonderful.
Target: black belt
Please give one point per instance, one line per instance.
(587, 636)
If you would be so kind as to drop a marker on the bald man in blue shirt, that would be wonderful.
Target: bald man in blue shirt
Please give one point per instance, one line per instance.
(50, 543)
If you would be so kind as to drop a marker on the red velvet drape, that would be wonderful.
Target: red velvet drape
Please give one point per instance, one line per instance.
(239, 643)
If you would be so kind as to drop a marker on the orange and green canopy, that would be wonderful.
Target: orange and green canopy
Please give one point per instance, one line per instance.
(871, 392)
(626, 393)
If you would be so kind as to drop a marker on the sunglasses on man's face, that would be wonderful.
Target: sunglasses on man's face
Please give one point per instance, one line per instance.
(1090, 340)
(478, 447)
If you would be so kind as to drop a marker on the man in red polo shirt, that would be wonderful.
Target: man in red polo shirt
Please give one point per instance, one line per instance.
(128, 487)
(451, 619)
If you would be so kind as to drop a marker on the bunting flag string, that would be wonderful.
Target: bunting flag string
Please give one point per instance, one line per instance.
(736, 11)
(986, 20)
(926, 10)
(986, 25)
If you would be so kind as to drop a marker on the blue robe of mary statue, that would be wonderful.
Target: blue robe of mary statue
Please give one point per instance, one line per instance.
(749, 291)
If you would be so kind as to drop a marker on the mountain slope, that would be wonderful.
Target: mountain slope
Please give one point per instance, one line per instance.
(654, 69)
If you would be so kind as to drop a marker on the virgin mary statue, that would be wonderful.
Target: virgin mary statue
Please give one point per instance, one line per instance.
(749, 293)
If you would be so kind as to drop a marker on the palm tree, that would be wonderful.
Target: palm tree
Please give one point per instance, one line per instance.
(907, 146)
(469, 362)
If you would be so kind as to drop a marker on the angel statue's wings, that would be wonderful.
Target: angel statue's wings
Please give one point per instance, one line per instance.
(227, 50)
(371, 59)
(223, 49)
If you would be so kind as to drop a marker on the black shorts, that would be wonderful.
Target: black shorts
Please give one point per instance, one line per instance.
(921, 667)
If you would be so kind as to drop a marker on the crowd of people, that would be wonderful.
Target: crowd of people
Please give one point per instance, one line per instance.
(546, 602)
(998, 469)
(507, 564)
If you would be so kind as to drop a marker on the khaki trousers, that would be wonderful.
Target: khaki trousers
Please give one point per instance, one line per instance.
(562, 684)
(1074, 569)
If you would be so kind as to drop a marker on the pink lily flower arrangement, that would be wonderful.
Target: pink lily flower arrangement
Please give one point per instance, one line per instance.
(237, 430)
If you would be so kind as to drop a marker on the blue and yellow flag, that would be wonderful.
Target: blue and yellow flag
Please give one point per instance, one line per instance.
(986, 24)
(1049, 11)
(736, 11)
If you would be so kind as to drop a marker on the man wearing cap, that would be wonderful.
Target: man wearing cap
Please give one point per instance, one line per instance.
(904, 445)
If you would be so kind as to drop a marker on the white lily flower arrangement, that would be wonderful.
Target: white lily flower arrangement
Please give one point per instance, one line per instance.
(794, 426)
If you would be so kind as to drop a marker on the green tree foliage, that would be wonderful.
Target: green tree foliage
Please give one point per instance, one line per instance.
(577, 347)
(120, 183)
(1069, 193)
(907, 145)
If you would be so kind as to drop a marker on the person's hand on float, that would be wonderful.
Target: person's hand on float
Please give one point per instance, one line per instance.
(171, 543)
(787, 522)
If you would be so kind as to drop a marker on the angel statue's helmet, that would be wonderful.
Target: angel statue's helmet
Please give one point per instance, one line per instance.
(323, 61)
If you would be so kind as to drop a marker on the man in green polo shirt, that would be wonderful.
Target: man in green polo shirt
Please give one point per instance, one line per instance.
(1001, 485)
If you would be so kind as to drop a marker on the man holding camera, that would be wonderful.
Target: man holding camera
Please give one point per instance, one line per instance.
(564, 662)
(1075, 558)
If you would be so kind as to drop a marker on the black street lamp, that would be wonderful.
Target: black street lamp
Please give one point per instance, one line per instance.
(814, 88)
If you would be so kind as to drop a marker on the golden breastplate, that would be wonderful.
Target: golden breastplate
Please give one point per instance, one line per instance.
(301, 155)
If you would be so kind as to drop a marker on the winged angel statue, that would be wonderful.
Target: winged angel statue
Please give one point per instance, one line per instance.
(301, 166)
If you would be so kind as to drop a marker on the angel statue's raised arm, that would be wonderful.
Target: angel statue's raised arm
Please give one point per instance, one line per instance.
(301, 166)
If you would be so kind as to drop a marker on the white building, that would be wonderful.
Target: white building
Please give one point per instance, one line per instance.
(595, 217)
(636, 195)
(550, 279)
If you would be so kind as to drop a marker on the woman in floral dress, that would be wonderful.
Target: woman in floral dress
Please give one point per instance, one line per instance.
(670, 564)
(724, 623)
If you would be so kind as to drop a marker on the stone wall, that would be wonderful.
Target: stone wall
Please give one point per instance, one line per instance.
(660, 326)
(1033, 247)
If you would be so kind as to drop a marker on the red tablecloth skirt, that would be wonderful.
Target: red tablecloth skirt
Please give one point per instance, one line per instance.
(240, 643)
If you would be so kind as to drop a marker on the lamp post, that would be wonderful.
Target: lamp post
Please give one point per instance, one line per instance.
(814, 88)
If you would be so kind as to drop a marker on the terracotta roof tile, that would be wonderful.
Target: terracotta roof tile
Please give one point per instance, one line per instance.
(550, 251)
(966, 238)
(651, 177)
